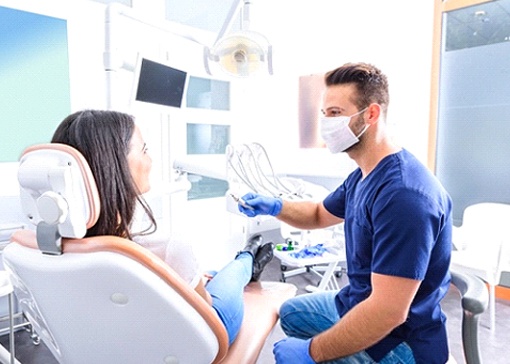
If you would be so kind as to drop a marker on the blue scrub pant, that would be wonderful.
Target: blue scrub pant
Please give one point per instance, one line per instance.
(226, 289)
(309, 314)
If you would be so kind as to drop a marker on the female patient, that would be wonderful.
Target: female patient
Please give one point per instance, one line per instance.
(117, 154)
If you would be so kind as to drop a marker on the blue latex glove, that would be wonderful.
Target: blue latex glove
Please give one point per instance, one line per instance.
(260, 205)
(293, 351)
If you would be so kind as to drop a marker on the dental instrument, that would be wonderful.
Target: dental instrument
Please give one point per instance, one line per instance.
(241, 202)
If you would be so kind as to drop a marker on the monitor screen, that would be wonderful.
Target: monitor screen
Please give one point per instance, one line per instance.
(160, 84)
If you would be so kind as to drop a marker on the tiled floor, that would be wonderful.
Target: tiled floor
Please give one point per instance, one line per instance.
(492, 344)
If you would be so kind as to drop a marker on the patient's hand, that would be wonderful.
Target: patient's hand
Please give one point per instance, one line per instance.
(207, 277)
(200, 289)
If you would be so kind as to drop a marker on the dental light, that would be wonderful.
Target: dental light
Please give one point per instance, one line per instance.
(242, 53)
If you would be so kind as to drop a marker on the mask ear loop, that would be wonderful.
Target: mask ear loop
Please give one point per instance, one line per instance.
(360, 112)
(363, 131)
(366, 126)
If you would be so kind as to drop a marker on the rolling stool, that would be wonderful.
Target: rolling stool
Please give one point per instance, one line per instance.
(6, 289)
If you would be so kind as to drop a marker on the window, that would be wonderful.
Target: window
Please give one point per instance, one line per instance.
(470, 125)
(211, 99)
(207, 139)
(204, 93)
(34, 87)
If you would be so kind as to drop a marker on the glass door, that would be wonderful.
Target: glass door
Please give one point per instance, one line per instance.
(470, 124)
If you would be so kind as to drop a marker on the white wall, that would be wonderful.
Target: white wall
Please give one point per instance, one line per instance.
(308, 36)
(85, 38)
(317, 36)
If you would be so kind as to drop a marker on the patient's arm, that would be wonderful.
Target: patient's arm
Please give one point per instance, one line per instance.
(200, 288)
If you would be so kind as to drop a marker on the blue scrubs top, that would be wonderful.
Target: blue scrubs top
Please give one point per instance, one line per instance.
(398, 222)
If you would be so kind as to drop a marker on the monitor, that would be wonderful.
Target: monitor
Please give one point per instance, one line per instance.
(159, 83)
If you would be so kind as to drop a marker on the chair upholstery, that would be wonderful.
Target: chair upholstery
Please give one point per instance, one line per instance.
(106, 299)
(482, 246)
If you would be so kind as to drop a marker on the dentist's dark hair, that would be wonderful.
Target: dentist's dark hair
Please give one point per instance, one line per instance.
(371, 84)
(103, 137)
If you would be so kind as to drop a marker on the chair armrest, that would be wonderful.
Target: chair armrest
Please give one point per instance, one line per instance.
(475, 299)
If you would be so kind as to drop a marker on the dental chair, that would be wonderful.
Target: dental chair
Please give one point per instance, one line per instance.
(106, 299)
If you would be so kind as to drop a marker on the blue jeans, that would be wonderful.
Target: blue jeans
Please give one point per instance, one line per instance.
(307, 315)
(226, 289)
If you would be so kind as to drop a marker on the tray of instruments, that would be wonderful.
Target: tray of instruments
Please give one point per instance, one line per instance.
(302, 256)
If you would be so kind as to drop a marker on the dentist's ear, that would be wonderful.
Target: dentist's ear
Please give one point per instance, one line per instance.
(373, 113)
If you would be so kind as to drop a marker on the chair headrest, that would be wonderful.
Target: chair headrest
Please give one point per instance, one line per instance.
(58, 194)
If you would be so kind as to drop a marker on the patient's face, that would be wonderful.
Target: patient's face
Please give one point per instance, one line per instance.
(139, 161)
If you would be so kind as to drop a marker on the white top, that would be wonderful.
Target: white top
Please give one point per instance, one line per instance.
(176, 252)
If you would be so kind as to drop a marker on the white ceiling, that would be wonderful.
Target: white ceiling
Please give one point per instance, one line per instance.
(203, 14)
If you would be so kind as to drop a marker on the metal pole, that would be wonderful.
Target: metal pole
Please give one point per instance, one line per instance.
(11, 324)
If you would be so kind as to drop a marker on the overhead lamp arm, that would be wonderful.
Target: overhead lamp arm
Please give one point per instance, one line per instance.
(227, 24)
(245, 15)
(234, 9)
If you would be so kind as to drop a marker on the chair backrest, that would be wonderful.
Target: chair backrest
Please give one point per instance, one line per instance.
(99, 299)
(485, 231)
(491, 216)
(58, 193)
(475, 300)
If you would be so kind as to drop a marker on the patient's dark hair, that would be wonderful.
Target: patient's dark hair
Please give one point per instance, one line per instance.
(103, 137)
(371, 84)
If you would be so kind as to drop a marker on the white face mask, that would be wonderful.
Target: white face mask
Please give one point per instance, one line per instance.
(336, 132)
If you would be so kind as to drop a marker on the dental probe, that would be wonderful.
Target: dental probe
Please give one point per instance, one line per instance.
(241, 202)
